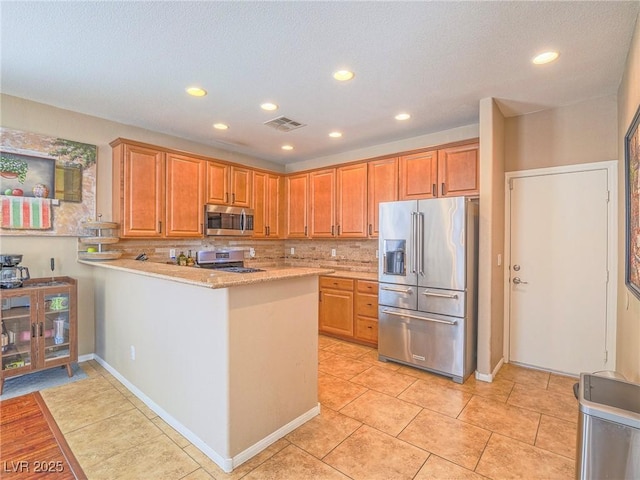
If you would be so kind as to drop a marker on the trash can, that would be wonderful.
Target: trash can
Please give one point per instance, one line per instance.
(608, 428)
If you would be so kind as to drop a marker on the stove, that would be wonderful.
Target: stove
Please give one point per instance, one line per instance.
(224, 260)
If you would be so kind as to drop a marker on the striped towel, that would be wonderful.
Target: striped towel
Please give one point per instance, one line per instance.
(25, 212)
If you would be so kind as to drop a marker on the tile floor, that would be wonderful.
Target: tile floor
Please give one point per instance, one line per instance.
(378, 421)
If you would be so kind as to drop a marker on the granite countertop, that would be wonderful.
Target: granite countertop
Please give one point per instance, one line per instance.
(204, 277)
(370, 276)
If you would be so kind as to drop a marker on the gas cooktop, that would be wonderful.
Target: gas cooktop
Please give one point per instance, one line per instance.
(239, 269)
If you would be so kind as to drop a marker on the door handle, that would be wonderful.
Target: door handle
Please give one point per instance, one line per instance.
(517, 281)
(416, 317)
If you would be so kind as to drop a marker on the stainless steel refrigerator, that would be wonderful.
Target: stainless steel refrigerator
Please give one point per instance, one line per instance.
(427, 274)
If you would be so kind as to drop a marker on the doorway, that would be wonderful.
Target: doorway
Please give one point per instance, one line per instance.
(561, 268)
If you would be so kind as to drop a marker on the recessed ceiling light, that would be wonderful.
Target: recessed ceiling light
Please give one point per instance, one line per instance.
(220, 126)
(403, 116)
(343, 75)
(268, 106)
(335, 134)
(545, 57)
(287, 147)
(196, 91)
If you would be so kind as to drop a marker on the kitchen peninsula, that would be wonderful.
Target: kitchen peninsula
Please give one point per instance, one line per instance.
(229, 360)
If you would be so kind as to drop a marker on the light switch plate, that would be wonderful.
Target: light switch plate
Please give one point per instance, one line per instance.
(333, 252)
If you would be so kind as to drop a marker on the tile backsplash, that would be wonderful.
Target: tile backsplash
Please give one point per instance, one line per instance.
(354, 255)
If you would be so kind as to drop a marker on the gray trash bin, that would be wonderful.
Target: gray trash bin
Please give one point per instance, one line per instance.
(608, 428)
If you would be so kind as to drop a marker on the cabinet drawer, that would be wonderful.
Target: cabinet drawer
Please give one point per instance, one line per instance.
(367, 305)
(336, 283)
(367, 329)
(365, 286)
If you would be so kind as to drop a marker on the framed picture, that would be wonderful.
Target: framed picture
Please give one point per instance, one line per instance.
(632, 174)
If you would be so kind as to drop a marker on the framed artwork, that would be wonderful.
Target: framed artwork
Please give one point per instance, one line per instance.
(47, 184)
(632, 176)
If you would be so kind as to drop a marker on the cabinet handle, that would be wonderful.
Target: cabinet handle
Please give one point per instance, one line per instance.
(333, 231)
(338, 230)
(433, 190)
(41, 329)
(305, 230)
(233, 197)
(33, 331)
(226, 197)
(443, 192)
(370, 229)
(269, 231)
(159, 227)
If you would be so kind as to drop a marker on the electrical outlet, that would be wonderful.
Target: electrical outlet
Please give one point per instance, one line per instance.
(333, 252)
(252, 252)
(172, 253)
(132, 352)
(376, 253)
(293, 251)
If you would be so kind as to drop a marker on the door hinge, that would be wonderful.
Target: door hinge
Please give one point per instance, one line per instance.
(511, 184)
(606, 356)
(608, 196)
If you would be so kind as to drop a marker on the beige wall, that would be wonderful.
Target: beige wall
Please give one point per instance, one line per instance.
(628, 344)
(491, 274)
(581, 133)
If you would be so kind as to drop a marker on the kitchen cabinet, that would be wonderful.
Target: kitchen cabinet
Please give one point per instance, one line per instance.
(297, 193)
(338, 202)
(39, 326)
(157, 194)
(267, 203)
(382, 187)
(348, 309)
(228, 184)
(446, 172)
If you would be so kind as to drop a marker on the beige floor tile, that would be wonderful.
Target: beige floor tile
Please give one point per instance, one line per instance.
(170, 432)
(350, 350)
(240, 471)
(451, 439)
(117, 384)
(381, 411)
(385, 381)
(99, 441)
(369, 455)
(372, 357)
(506, 458)
(343, 367)
(557, 436)
(200, 474)
(558, 405)
(437, 468)
(324, 342)
(499, 389)
(562, 383)
(99, 368)
(140, 405)
(88, 410)
(428, 377)
(89, 369)
(76, 391)
(321, 434)
(323, 355)
(526, 376)
(293, 463)
(499, 417)
(335, 393)
(155, 458)
(435, 397)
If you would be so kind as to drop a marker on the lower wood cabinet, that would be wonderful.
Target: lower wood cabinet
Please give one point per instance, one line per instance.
(348, 309)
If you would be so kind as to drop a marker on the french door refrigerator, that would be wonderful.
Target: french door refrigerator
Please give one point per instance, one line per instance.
(427, 276)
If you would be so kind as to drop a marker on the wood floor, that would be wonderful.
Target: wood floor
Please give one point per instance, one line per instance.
(31, 444)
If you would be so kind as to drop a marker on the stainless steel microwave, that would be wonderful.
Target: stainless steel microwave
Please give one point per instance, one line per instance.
(227, 220)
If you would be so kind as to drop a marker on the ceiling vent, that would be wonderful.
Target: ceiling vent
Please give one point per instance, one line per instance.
(284, 124)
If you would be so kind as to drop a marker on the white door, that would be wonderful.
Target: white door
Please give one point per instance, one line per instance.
(558, 253)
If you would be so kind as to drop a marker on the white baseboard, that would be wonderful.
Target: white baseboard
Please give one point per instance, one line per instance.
(87, 357)
(484, 377)
(226, 464)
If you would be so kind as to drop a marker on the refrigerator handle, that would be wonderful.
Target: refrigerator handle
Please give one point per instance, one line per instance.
(420, 246)
(414, 260)
(417, 317)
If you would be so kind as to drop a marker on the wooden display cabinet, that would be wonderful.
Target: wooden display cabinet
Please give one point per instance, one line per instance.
(40, 320)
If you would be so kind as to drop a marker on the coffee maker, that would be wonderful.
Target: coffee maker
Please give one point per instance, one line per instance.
(12, 275)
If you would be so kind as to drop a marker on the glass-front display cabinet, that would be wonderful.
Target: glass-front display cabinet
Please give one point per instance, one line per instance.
(39, 326)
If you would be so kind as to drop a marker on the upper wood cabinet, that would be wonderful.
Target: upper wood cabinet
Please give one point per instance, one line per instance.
(322, 200)
(157, 194)
(351, 201)
(382, 187)
(184, 196)
(447, 172)
(267, 204)
(228, 185)
(297, 194)
(459, 170)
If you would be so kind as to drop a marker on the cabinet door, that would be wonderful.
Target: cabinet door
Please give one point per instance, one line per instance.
(185, 196)
(458, 171)
(142, 192)
(418, 175)
(274, 206)
(297, 190)
(217, 183)
(240, 187)
(260, 205)
(336, 312)
(383, 187)
(322, 194)
(351, 201)
(19, 345)
(57, 328)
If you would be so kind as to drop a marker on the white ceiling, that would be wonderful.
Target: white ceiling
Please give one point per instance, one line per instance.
(131, 61)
